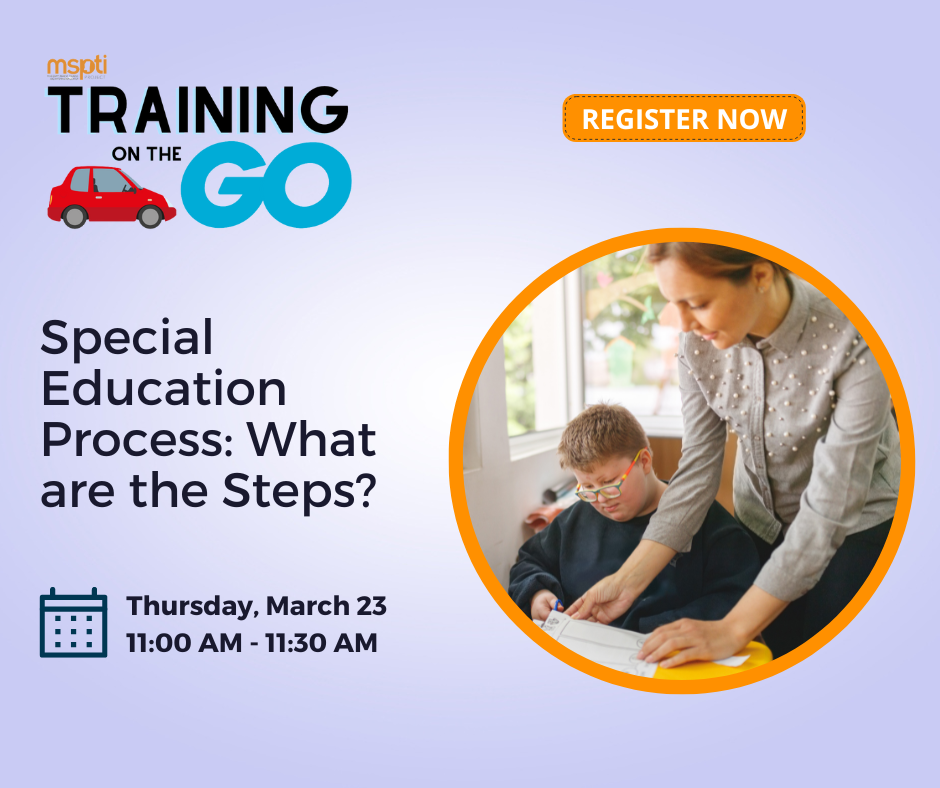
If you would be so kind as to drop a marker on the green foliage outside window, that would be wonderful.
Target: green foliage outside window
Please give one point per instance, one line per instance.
(520, 386)
(621, 299)
(627, 357)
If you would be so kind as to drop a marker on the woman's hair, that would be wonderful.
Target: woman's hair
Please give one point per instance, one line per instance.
(710, 260)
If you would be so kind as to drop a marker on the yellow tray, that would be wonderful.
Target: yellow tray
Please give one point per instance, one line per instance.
(758, 654)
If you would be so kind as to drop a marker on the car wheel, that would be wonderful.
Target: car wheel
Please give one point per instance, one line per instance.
(74, 216)
(150, 216)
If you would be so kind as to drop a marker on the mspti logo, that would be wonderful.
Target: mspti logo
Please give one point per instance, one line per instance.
(269, 188)
(77, 68)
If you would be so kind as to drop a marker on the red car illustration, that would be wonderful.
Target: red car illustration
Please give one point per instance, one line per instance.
(106, 194)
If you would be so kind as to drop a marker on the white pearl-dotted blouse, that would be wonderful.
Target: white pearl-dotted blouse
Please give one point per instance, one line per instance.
(818, 451)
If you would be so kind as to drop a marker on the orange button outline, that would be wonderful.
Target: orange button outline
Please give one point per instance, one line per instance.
(564, 117)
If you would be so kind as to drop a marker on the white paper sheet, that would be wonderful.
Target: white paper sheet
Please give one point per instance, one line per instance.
(609, 646)
(732, 662)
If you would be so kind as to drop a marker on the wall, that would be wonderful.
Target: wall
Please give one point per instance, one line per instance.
(501, 491)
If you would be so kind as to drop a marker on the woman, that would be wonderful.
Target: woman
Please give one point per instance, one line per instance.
(818, 463)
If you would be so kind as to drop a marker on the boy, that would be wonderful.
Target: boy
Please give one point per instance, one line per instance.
(608, 452)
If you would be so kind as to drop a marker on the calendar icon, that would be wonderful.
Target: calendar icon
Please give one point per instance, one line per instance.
(73, 625)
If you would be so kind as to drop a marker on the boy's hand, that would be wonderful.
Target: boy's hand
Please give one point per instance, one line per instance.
(543, 603)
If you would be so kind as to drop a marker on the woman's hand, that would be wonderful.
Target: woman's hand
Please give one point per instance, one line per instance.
(606, 601)
(543, 603)
(712, 639)
(610, 598)
(693, 640)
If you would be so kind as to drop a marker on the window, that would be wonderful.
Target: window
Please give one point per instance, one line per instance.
(80, 180)
(110, 181)
(603, 333)
(543, 366)
(631, 335)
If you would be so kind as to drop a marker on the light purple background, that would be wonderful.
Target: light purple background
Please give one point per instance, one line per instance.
(464, 190)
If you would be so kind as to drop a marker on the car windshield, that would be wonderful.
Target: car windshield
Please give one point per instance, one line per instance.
(131, 179)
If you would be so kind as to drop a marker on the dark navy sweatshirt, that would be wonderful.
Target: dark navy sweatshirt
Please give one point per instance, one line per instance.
(582, 547)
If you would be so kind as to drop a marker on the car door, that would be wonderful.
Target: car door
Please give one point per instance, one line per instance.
(80, 186)
(114, 197)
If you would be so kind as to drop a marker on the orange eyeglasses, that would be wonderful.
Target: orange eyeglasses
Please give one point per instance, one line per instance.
(610, 491)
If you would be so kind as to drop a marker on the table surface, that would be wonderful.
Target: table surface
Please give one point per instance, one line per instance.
(758, 654)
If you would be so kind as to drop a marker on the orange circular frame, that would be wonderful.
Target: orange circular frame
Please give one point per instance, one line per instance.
(459, 423)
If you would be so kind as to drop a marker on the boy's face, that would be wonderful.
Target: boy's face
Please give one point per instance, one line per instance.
(633, 493)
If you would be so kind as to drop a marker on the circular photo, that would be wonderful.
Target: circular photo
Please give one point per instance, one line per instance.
(681, 460)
